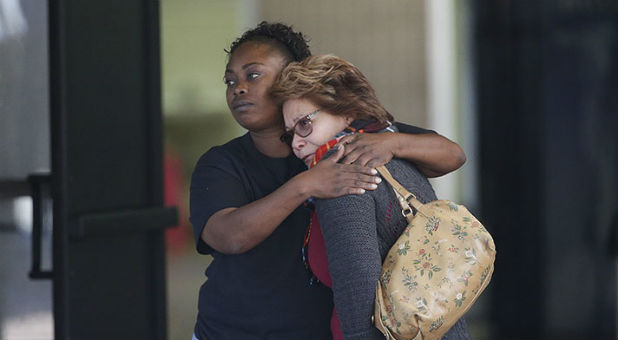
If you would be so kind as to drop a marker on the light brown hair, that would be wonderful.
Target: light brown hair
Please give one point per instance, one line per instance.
(331, 83)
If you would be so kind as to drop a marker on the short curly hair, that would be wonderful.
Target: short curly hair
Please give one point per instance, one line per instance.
(294, 45)
(331, 83)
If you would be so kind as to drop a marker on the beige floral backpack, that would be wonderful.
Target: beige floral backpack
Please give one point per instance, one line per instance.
(435, 271)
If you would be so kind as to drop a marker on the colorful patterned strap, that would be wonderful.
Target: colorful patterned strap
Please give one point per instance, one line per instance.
(322, 150)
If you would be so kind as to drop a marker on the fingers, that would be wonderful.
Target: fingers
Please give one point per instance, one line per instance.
(354, 191)
(357, 169)
(353, 179)
(368, 149)
(366, 156)
(359, 183)
(349, 139)
(335, 179)
(352, 157)
(349, 142)
(339, 152)
(360, 150)
(376, 162)
(359, 188)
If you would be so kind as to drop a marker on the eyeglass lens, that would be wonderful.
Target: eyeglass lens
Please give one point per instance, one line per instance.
(302, 128)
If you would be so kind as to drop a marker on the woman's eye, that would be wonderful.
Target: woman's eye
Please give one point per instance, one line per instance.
(253, 75)
(303, 123)
(228, 82)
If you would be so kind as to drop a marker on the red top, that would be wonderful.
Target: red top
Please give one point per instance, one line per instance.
(318, 261)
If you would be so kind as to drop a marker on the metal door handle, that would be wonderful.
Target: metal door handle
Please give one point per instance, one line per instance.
(120, 222)
(613, 236)
(37, 181)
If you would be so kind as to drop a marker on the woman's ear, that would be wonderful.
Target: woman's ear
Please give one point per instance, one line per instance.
(349, 119)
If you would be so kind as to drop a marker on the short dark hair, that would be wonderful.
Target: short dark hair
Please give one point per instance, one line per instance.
(294, 45)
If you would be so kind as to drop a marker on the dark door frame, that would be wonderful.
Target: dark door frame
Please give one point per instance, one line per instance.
(108, 227)
(547, 79)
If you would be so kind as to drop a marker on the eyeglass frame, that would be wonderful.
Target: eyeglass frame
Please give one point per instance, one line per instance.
(288, 135)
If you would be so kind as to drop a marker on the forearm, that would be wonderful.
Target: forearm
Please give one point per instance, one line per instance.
(237, 230)
(354, 295)
(434, 155)
(354, 262)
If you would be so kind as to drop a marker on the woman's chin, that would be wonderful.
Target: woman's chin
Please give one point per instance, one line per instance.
(256, 123)
(307, 159)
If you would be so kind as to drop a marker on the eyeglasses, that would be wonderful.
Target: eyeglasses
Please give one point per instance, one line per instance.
(302, 128)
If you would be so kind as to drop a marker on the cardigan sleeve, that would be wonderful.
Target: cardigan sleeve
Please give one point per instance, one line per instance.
(349, 227)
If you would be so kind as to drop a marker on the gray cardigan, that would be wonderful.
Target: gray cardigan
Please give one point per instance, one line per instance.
(359, 230)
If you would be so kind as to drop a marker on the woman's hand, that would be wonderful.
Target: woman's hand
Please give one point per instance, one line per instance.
(369, 149)
(329, 179)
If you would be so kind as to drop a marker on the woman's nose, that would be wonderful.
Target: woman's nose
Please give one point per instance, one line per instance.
(241, 88)
(298, 143)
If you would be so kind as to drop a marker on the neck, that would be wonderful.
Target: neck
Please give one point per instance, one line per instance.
(269, 143)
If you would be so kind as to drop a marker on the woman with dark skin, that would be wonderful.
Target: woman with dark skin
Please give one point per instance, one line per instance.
(247, 200)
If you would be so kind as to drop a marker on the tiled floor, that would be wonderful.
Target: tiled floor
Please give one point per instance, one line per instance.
(25, 305)
(185, 275)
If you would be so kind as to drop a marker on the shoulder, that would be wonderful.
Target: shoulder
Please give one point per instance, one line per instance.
(230, 150)
(411, 178)
(399, 166)
(411, 129)
(227, 160)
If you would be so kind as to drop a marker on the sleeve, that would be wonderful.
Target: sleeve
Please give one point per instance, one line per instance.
(411, 129)
(349, 227)
(215, 185)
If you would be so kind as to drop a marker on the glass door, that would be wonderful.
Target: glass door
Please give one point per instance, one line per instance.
(25, 302)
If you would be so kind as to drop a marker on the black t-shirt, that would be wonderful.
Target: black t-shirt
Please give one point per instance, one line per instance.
(265, 292)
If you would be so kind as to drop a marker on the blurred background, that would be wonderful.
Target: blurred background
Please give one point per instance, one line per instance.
(527, 88)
